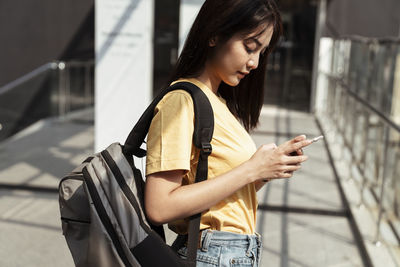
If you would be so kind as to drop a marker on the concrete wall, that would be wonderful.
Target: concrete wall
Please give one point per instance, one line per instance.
(36, 32)
(369, 18)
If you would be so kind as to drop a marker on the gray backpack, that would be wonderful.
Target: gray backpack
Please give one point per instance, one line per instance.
(101, 201)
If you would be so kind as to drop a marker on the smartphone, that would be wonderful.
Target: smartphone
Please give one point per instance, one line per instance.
(315, 139)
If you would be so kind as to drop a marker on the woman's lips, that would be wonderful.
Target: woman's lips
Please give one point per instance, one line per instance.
(242, 74)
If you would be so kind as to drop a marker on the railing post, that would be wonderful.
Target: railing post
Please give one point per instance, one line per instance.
(395, 177)
(61, 90)
(87, 84)
(365, 133)
(67, 88)
(382, 185)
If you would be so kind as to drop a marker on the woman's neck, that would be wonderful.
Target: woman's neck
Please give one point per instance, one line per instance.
(209, 78)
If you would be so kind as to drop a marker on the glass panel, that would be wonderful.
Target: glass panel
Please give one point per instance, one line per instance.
(392, 186)
(34, 103)
(51, 90)
(370, 69)
(359, 132)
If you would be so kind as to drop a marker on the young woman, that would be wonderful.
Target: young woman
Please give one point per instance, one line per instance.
(225, 54)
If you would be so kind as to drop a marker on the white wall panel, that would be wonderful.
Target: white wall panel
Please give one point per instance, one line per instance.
(123, 74)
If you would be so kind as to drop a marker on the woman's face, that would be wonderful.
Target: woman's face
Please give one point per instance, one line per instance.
(239, 55)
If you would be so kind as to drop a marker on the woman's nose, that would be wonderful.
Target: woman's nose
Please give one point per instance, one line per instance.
(252, 64)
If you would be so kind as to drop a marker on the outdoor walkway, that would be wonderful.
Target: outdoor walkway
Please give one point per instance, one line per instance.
(302, 220)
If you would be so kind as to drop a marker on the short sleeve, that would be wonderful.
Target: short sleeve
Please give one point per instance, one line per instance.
(169, 140)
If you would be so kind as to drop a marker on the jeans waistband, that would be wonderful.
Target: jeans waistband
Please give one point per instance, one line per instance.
(228, 238)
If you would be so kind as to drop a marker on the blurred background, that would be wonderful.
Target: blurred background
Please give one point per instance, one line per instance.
(76, 75)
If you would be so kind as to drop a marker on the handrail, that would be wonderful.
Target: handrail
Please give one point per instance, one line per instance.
(385, 119)
(28, 76)
(39, 70)
(67, 86)
(359, 136)
(363, 39)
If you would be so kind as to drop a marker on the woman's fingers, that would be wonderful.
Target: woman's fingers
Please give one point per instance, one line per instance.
(293, 160)
(293, 141)
(286, 175)
(292, 168)
(289, 171)
(275, 160)
(299, 152)
(296, 146)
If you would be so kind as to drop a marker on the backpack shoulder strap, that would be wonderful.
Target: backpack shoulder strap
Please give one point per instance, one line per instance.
(203, 123)
(203, 132)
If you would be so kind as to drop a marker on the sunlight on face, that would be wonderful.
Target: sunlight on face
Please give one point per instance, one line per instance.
(240, 55)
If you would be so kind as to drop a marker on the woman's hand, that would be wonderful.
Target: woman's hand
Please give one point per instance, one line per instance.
(272, 162)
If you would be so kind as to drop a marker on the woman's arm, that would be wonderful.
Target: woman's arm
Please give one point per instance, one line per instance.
(167, 200)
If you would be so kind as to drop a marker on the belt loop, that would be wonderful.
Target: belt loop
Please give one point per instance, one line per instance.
(250, 246)
(250, 252)
(259, 240)
(206, 240)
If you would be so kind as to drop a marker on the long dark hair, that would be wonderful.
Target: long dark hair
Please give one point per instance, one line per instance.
(223, 19)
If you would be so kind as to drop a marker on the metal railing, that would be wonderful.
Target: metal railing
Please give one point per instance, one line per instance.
(76, 86)
(53, 89)
(358, 97)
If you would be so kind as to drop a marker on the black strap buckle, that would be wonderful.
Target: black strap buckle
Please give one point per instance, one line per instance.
(206, 148)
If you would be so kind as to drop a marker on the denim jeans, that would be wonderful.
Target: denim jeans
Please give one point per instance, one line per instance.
(227, 249)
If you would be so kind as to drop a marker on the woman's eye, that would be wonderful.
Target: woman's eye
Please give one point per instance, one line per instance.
(248, 49)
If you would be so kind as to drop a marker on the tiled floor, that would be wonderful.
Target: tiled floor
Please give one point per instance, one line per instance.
(30, 230)
(292, 239)
(300, 239)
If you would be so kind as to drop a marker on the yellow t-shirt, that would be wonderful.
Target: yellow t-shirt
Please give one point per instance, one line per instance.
(170, 147)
